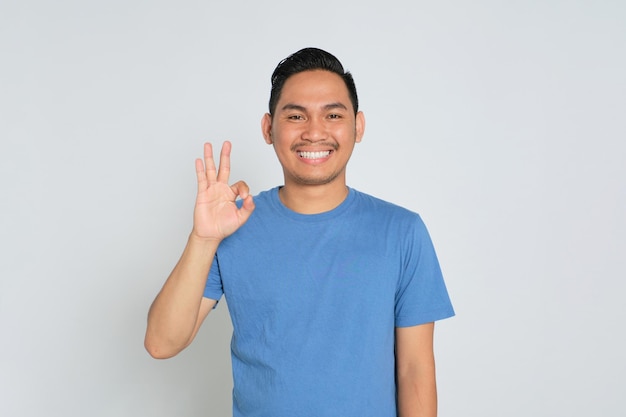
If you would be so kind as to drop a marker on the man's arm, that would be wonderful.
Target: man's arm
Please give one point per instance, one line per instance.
(415, 368)
(179, 308)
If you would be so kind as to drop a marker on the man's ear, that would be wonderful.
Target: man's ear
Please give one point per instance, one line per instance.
(360, 126)
(266, 128)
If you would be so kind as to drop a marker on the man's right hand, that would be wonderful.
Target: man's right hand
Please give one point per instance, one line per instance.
(216, 215)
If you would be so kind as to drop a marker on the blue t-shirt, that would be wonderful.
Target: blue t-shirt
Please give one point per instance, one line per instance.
(314, 301)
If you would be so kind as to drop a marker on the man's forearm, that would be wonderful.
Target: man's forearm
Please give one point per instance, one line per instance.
(415, 370)
(173, 315)
(417, 394)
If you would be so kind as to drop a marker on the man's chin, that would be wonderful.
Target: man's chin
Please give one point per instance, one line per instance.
(316, 181)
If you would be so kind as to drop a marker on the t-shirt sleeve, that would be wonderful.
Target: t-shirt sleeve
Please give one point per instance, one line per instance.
(421, 296)
(213, 288)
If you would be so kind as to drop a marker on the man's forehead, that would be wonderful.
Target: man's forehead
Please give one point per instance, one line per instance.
(319, 79)
(315, 85)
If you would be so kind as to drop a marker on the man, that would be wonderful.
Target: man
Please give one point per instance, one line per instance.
(332, 293)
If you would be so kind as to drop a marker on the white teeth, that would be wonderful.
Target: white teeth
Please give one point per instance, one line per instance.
(314, 155)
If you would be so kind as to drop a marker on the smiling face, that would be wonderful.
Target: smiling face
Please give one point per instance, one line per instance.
(314, 129)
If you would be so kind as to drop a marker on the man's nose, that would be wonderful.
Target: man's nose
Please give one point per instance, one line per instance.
(315, 130)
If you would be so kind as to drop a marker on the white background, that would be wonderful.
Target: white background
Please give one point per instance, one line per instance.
(502, 123)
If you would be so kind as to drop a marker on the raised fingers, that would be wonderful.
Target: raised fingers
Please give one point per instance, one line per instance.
(224, 172)
(201, 175)
(207, 173)
(209, 165)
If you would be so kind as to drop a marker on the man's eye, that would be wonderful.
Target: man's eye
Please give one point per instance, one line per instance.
(295, 117)
(334, 116)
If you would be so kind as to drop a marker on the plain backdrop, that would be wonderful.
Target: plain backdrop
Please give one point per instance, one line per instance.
(502, 123)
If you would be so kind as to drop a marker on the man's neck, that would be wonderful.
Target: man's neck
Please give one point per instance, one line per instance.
(313, 199)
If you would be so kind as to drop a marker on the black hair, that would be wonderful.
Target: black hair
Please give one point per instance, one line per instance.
(309, 59)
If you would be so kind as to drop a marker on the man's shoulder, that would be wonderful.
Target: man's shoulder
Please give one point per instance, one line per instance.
(266, 194)
(367, 201)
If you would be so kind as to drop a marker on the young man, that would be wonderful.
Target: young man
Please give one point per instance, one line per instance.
(332, 293)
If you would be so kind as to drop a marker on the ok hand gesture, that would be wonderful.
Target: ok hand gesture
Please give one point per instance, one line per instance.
(216, 215)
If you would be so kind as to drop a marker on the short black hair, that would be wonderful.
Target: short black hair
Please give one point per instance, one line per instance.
(309, 59)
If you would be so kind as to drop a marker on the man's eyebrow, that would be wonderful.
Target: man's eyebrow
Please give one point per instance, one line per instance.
(291, 106)
(335, 106)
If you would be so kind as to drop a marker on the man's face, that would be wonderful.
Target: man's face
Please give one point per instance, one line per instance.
(314, 128)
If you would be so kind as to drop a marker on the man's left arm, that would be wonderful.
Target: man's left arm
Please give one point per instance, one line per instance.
(415, 370)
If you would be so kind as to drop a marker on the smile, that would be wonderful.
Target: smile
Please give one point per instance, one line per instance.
(313, 155)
